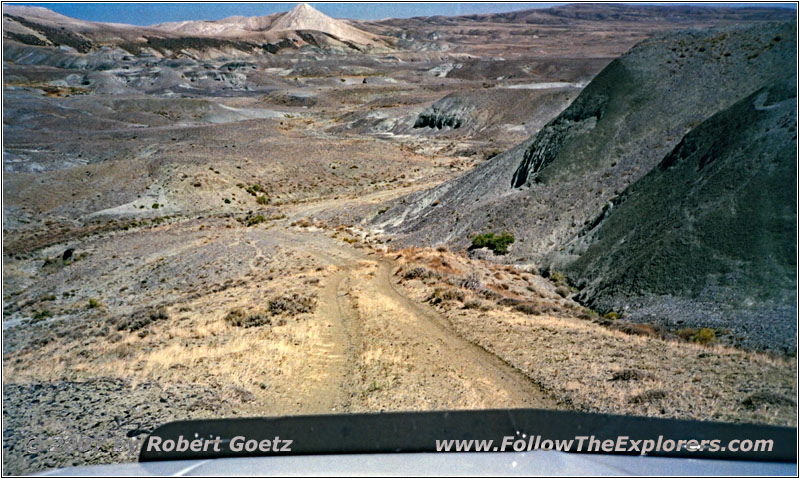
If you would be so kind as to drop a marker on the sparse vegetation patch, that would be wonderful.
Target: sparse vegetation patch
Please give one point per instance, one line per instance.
(497, 243)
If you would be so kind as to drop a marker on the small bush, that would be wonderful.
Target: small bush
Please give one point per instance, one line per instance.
(629, 375)
(291, 305)
(639, 330)
(563, 291)
(441, 295)
(704, 336)
(43, 314)
(253, 220)
(240, 319)
(686, 333)
(254, 189)
(141, 319)
(490, 294)
(506, 301)
(471, 282)
(262, 200)
(528, 308)
(558, 278)
(420, 272)
(611, 315)
(497, 243)
(475, 304)
(701, 336)
(288, 305)
(156, 206)
(93, 303)
(767, 398)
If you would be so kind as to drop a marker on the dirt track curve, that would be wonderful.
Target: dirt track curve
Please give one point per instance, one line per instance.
(405, 354)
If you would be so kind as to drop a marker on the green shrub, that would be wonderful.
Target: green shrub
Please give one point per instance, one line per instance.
(704, 336)
(611, 315)
(254, 220)
(262, 200)
(93, 303)
(39, 315)
(155, 206)
(700, 336)
(558, 278)
(255, 189)
(497, 243)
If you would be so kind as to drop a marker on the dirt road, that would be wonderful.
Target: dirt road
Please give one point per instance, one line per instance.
(380, 350)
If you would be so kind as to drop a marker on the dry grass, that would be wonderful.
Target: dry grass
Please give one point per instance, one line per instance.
(254, 366)
(620, 368)
(581, 363)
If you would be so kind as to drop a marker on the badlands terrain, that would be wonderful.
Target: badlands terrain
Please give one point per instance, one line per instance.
(274, 215)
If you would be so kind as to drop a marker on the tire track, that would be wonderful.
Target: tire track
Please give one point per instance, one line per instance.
(488, 373)
(328, 379)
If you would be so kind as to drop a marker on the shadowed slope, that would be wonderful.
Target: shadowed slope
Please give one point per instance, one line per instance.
(714, 224)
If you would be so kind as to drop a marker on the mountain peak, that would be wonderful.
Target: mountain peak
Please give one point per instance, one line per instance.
(306, 17)
(303, 7)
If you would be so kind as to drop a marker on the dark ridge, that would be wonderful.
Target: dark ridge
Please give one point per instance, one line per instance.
(57, 36)
(27, 39)
(197, 43)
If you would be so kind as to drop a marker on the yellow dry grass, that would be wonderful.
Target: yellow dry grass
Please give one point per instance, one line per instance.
(576, 360)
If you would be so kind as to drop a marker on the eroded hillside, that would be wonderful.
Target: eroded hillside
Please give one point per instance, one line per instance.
(550, 188)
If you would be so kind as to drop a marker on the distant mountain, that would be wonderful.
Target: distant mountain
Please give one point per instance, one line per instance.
(548, 190)
(303, 25)
(237, 26)
(302, 17)
(610, 13)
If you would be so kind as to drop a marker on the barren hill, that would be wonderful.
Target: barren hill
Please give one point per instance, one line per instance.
(233, 36)
(548, 189)
(707, 238)
(302, 17)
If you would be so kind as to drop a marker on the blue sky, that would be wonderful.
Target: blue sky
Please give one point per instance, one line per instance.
(150, 13)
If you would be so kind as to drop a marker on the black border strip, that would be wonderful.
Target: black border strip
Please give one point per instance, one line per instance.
(418, 432)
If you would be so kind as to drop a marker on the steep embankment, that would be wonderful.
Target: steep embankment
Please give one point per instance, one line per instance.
(553, 187)
(708, 237)
(623, 123)
(493, 112)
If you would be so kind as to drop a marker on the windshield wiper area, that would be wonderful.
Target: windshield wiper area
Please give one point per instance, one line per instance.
(510, 430)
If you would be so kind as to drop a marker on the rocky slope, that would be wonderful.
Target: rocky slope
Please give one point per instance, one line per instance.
(547, 190)
(708, 237)
(488, 111)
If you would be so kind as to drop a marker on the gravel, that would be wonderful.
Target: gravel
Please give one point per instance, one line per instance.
(48, 424)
